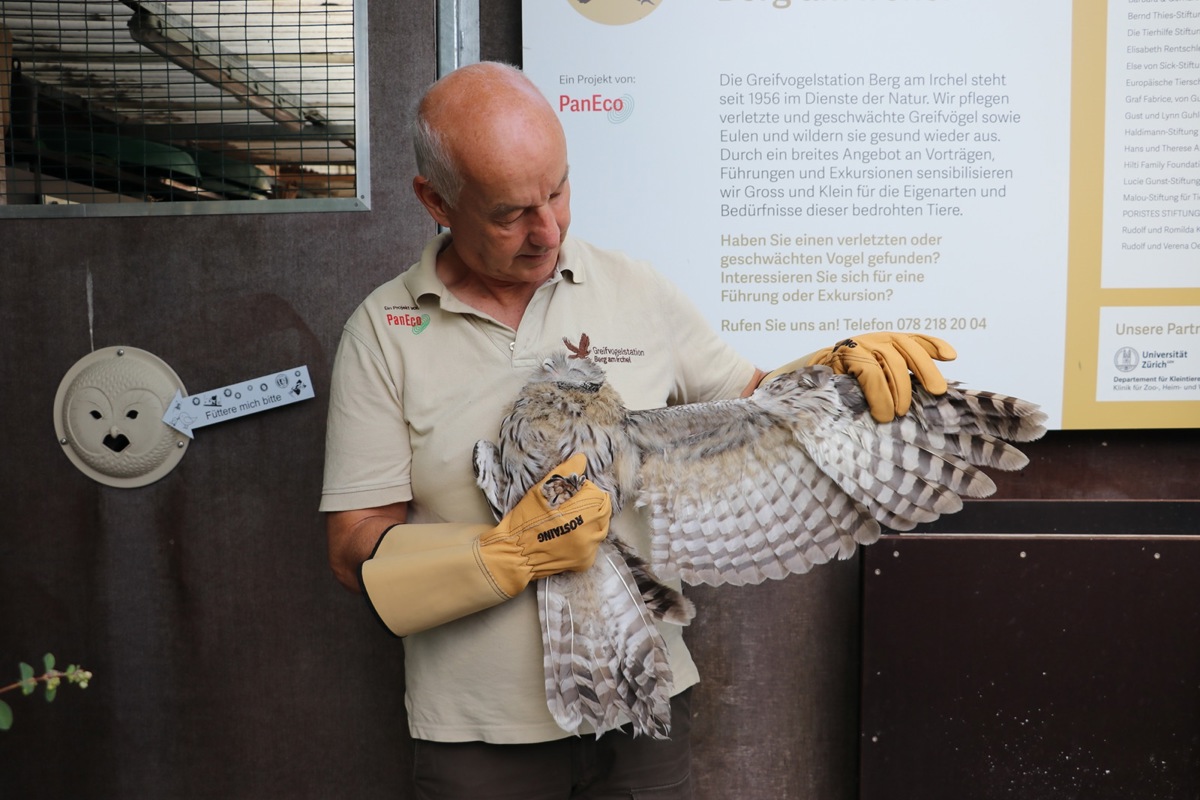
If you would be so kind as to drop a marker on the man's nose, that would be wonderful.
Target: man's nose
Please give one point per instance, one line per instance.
(544, 230)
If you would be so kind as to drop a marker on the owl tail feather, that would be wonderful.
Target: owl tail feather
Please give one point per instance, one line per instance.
(605, 661)
(662, 601)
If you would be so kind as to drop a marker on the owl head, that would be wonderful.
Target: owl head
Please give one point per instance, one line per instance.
(571, 373)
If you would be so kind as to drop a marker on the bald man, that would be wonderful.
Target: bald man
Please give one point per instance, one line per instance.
(427, 366)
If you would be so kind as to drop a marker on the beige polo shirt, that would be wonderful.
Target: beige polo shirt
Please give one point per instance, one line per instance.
(420, 377)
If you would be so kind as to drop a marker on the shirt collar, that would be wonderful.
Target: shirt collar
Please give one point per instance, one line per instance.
(421, 279)
(570, 265)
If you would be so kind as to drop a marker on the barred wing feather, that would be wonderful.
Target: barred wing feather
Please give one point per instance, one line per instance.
(799, 473)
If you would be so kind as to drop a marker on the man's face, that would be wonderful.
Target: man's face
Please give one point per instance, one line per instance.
(514, 208)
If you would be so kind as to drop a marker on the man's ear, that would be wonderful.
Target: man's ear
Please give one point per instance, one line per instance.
(432, 200)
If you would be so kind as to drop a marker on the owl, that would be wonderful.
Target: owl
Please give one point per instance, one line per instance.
(737, 492)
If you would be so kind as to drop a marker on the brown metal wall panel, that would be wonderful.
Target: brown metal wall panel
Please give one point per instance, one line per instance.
(776, 710)
(228, 663)
(1034, 668)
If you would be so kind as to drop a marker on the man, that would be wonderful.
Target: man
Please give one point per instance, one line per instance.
(427, 366)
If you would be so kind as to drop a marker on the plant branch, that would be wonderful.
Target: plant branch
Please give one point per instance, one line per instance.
(51, 678)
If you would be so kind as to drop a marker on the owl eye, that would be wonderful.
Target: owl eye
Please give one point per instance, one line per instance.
(131, 413)
(96, 414)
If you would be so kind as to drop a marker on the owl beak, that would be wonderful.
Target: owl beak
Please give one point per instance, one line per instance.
(115, 440)
(586, 388)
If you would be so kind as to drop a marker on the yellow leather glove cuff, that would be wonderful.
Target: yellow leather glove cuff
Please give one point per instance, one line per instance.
(424, 575)
(421, 576)
(882, 361)
(534, 540)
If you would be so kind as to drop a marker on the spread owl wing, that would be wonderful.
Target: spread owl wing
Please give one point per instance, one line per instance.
(797, 474)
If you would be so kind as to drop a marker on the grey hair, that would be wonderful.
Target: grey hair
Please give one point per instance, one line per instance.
(434, 162)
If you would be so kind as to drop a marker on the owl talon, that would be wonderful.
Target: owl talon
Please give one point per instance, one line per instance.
(558, 489)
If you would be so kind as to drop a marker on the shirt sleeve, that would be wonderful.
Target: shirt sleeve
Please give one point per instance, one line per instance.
(368, 457)
(708, 367)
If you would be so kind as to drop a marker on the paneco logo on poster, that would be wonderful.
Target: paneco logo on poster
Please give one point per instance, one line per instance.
(618, 109)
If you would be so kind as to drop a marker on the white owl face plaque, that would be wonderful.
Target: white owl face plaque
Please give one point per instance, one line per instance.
(108, 416)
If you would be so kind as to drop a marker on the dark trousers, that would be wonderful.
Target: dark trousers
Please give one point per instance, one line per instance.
(616, 765)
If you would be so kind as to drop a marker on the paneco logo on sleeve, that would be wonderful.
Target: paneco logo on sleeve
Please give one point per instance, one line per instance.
(618, 109)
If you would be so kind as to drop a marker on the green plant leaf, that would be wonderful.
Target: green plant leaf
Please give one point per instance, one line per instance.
(50, 693)
(5, 716)
(48, 660)
(28, 682)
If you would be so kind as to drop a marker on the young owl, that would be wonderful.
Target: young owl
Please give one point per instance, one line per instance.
(737, 491)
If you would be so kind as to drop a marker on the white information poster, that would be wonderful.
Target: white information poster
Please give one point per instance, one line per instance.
(807, 170)
(1151, 160)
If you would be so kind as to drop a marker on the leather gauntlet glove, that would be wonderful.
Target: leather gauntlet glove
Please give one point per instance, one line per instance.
(534, 540)
(424, 575)
(881, 363)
